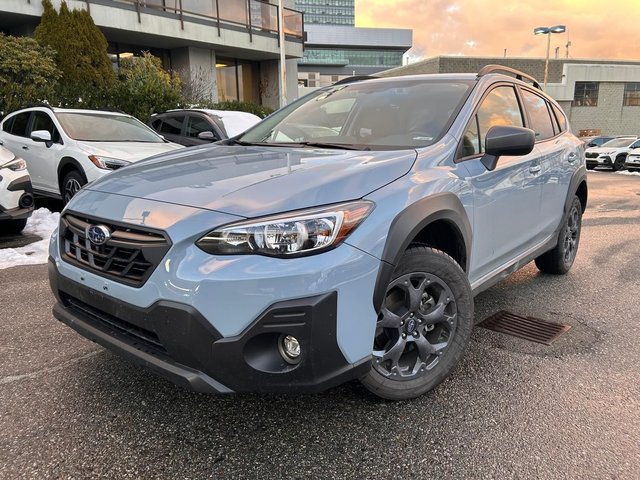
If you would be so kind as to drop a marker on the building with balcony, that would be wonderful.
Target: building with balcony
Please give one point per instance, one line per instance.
(228, 49)
(599, 96)
(336, 49)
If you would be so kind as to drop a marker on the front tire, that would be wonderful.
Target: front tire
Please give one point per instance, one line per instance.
(559, 260)
(13, 227)
(71, 184)
(618, 164)
(423, 327)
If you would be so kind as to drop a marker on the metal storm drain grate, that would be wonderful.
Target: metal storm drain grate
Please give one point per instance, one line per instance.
(527, 328)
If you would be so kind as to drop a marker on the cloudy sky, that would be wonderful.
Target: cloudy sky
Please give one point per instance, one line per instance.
(596, 28)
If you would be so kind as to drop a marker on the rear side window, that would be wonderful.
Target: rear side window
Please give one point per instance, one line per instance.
(538, 112)
(6, 126)
(20, 123)
(42, 121)
(562, 120)
(499, 107)
(172, 125)
(156, 124)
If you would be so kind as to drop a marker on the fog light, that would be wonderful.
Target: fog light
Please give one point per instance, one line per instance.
(289, 348)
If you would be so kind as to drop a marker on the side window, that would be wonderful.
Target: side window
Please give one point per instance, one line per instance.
(635, 144)
(538, 114)
(499, 107)
(562, 120)
(20, 123)
(172, 125)
(6, 126)
(42, 121)
(156, 124)
(196, 125)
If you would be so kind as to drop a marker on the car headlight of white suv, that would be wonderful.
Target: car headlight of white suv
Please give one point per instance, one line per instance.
(107, 163)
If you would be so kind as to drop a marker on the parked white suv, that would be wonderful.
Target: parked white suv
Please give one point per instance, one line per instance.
(67, 148)
(16, 200)
(612, 154)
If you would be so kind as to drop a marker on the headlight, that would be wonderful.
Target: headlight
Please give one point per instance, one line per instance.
(16, 165)
(107, 163)
(287, 235)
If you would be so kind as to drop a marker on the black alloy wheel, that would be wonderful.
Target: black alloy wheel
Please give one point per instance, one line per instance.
(423, 325)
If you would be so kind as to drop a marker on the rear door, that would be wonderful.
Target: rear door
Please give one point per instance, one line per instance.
(506, 200)
(557, 159)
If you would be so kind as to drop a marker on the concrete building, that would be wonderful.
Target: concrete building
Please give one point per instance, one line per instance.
(599, 96)
(336, 49)
(228, 49)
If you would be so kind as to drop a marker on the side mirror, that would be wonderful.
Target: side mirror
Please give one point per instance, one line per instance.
(208, 136)
(42, 136)
(506, 140)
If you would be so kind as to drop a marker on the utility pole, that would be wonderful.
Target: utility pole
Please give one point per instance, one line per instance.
(282, 90)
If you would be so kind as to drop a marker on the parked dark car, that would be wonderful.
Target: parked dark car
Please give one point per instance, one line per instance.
(201, 126)
(596, 141)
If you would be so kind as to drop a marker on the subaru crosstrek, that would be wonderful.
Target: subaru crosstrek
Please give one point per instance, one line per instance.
(343, 237)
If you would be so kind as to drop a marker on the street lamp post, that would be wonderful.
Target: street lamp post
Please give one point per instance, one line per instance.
(548, 31)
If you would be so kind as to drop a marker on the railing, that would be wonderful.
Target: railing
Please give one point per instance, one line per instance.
(254, 15)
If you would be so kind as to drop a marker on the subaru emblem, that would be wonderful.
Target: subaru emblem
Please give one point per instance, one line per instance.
(98, 234)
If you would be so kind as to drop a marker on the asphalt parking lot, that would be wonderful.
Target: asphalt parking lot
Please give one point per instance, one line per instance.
(512, 409)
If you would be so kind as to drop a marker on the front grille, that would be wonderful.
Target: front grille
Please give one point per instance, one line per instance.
(135, 335)
(129, 256)
(591, 155)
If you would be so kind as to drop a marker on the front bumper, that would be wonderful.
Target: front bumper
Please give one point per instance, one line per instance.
(606, 161)
(176, 341)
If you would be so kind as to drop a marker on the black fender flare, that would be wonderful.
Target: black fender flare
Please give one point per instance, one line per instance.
(66, 161)
(579, 176)
(406, 226)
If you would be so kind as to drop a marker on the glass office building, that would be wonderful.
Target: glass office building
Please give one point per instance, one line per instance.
(332, 12)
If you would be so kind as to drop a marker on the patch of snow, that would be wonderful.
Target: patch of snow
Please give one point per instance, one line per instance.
(42, 223)
(627, 172)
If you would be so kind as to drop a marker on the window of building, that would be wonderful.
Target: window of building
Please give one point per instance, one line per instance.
(586, 94)
(237, 80)
(631, 94)
(539, 115)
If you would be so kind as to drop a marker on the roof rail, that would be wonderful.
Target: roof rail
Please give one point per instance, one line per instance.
(36, 104)
(487, 69)
(356, 78)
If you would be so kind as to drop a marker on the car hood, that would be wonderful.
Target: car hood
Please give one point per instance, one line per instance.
(253, 181)
(129, 151)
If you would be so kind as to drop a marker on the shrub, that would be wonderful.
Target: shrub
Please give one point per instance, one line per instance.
(81, 54)
(144, 88)
(28, 72)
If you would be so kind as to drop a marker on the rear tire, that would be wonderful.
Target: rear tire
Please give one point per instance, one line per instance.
(559, 260)
(618, 163)
(71, 184)
(423, 327)
(13, 227)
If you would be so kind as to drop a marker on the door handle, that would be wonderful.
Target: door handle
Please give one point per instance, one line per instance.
(535, 169)
(572, 157)
(24, 147)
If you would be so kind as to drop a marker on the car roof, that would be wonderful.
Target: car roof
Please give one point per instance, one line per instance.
(69, 110)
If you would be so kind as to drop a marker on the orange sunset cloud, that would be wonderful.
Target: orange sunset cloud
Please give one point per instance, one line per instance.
(595, 29)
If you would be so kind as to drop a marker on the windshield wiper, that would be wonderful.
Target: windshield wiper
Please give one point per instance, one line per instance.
(340, 146)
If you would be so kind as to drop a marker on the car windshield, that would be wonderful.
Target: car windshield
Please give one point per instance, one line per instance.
(90, 127)
(619, 142)
(372, 115)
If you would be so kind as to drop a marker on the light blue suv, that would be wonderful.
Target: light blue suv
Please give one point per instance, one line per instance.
(343, 237)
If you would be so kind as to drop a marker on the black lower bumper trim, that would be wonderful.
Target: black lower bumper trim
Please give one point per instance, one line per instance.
(175, 341)
(16, 213)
